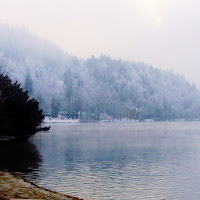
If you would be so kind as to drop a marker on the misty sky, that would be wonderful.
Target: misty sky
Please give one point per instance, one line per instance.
(164, 33)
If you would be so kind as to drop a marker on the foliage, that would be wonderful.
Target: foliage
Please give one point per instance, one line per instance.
(19, 115)
(96, 86)
(111, 86)
(54, 107)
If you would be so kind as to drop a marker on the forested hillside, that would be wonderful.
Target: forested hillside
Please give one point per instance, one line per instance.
(95, 86)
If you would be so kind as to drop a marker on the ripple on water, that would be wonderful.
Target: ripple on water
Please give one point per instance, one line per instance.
(120, 161)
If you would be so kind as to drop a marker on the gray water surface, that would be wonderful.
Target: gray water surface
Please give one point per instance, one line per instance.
(126, 161)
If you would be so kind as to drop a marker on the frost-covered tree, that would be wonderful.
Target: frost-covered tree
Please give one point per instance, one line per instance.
(68, 85)
(28, 83)
(95, 86)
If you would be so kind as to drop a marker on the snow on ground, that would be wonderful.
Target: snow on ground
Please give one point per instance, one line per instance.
(59, 120)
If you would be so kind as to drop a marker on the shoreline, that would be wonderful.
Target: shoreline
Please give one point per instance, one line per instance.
(13, 186)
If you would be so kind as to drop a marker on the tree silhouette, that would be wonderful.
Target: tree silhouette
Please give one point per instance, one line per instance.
(19, 115)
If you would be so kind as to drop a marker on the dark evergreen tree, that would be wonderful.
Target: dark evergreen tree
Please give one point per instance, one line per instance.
(19, 115)
(54, 107)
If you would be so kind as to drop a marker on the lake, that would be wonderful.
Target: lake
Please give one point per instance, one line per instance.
(123, 161)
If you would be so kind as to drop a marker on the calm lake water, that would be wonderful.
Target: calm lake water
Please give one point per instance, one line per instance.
(126, 161)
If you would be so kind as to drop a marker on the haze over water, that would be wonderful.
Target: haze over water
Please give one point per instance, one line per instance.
(105, 60)
(115, 160)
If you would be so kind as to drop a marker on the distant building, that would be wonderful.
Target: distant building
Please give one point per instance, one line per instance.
(131, 112)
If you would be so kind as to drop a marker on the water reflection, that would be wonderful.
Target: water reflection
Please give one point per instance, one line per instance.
(120, 161)
(20, 156)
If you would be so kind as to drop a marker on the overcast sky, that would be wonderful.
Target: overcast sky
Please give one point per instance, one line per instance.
(164, 33)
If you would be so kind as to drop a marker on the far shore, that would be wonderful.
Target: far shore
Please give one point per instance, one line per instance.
(12, 186)
(59, 120)
(50, 120)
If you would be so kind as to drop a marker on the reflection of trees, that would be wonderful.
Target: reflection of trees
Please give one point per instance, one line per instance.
(96, 153)
(21, 156)
(104, 153)
(73, 157)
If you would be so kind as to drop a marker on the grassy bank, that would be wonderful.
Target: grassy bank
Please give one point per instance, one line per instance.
(14, 186)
